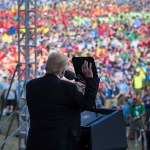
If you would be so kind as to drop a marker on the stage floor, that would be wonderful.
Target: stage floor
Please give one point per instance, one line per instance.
(12, 144)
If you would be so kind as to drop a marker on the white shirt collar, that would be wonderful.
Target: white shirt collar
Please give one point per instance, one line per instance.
(58, 76)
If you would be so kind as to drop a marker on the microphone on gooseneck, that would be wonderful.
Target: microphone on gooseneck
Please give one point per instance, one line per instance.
(71, 76)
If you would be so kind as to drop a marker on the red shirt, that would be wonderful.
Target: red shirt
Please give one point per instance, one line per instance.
(110, 31)
(64, 22)
(39, 22)
(1, 24)
(101, 31)
(104, 25)
(101, 86)
(54, 21)
(2, 56)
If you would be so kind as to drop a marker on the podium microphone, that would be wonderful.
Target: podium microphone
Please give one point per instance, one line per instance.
(71, 76)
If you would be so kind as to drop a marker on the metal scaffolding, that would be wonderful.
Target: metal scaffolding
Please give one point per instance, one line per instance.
(27, 58)
(26, 69)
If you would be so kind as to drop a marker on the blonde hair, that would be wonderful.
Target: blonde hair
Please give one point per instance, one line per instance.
(56, 62)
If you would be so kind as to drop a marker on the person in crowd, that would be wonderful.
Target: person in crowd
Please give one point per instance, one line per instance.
(138, 82)
(148, 75)
(148, 134)
(9, 96)
(98, 100)
(4, 82)
(111, 94)
(128, 103)
(20, 88)
(123, 92)
(142, 70)
(1, 79)
(146, 100)
(119, 74)
(136, 113)
(54, 106)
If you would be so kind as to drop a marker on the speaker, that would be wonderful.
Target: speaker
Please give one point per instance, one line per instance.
(103, 130)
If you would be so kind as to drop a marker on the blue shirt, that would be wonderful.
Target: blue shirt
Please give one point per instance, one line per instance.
(123, 87)
(123, 70)
(114, 71)
(108, 68)
(43, 67)
(69, 46)
(148, 74)
(138, 22)
(114, 91)
(1, 87)
(22, 90)
(147, 102)
(126, 110)
(107, 92)
(12, 30)
(94, 33)
(110, 93)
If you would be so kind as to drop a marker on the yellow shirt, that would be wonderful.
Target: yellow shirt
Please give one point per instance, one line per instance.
(138, 82)
(138, 54)
(7, 38)
(142, 72)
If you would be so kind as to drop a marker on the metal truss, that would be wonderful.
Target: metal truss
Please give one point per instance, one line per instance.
(27, 58)
(26, 69)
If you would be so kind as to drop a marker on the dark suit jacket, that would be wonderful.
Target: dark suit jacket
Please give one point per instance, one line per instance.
(54, 107)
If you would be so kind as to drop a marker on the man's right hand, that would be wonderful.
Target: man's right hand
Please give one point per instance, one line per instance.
(87, 70)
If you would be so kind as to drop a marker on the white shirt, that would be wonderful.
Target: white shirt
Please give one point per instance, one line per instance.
(105, 42)
(116, 43)
(112, 57)
(135, 44)
(118, 76)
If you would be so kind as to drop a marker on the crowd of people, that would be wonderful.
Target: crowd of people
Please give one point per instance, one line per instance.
(116, 34)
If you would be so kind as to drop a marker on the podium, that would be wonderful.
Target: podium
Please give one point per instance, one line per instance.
(103, 129)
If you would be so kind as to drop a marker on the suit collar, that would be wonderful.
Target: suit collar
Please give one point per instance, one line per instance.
(47, 75)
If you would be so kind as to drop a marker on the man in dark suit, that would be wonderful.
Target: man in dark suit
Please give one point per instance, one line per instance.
(54, 106)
